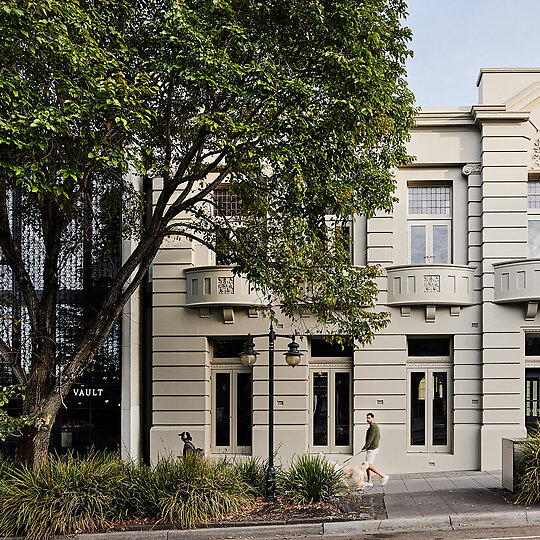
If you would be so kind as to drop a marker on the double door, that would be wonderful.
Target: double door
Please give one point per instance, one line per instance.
(429, 428)
(429, 242)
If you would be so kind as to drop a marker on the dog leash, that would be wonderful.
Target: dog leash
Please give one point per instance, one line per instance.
(349, 459)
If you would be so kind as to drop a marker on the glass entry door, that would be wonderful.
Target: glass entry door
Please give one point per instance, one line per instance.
(430, 409)
(232, 411)
(331, 415)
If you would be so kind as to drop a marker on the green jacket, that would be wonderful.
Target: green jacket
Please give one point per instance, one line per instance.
(373, 436)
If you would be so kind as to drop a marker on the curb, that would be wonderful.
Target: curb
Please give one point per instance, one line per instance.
(436, 522)
(440, 522)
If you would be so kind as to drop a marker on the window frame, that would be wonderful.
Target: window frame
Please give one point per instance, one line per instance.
(332, 366)
(429, 366)
(233, 368)
(533, 214)
(334, 224)
(429, 221)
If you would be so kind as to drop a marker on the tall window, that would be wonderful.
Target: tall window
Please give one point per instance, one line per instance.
(430, 224)
(331, 397)
(227, 205)
(232, 400)
(533, 205)
(429, 395)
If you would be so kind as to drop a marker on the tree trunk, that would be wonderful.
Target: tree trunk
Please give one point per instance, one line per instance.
(41, 399)
(33, 446)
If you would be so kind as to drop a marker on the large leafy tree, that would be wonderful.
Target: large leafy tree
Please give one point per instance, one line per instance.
(299, 106)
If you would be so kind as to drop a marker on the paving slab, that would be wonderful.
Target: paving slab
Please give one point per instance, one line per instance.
(395, 485)
(400, 506)
(466, 482)
(488, 481)
(417, 485)
(430, 504)
(441, 484)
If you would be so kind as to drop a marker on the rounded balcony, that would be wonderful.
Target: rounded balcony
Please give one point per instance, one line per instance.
(209, 286)
(430, 284)
(517, 281)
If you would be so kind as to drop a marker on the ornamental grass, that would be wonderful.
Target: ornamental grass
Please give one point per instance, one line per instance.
(68, 495)
(528, 487)
(64, 496)
(310, 479)
(252, 469)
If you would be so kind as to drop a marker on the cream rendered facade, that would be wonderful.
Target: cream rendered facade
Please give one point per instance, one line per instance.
(482, 300)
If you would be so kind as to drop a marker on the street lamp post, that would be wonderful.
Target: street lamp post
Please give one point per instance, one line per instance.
(249, 357)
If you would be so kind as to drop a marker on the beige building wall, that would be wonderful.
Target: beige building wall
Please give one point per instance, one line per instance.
(486, 154)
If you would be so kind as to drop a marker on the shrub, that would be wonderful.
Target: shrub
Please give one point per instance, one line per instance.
(6, 465)
(529, 476)
(310, 479)
(188, 490)
(253, 471)
(66, 495)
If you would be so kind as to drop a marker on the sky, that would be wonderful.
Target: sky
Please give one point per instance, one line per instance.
(453, 39)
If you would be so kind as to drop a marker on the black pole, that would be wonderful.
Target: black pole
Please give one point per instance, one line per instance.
(271, 473)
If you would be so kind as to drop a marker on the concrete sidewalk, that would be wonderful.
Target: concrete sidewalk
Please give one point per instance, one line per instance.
(451, 493)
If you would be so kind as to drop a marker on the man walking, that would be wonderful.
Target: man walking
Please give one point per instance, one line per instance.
(373, 436)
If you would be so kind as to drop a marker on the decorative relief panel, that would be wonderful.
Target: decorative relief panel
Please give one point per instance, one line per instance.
(432, 283)
(536, 154)
(225, 285)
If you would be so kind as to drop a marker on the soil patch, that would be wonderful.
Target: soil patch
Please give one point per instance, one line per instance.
(357, 507)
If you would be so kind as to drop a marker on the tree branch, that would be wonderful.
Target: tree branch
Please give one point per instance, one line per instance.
(14, 260)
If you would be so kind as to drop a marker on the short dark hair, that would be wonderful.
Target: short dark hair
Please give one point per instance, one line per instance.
(370, 414)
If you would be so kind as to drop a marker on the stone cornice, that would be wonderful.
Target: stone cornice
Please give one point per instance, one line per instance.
(437, 117)
(505, 70)
(497, 113)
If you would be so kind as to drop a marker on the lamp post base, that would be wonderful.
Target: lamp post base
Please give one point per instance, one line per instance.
(270, 485)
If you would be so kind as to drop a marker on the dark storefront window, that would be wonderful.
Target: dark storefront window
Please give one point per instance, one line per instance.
(91, 415)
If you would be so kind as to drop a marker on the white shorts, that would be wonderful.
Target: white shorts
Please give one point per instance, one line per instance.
(370, 455)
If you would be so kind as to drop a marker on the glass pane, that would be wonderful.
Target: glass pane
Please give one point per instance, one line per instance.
(244, 409)
(430, 200)
(532, 345)
(534, 239)
(532, 398)
(320, 409)
(533, 195)
(440, 408)
(418, 244)
(223, 408)
(440, 244)
(322, 348)
(228, 348)
(343, 393)
(428, 347)
(227, 202)
(418, 408)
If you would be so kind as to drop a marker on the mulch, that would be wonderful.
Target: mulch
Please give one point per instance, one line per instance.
(280, 513)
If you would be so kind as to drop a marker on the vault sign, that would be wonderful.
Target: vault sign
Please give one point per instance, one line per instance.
(87, 392)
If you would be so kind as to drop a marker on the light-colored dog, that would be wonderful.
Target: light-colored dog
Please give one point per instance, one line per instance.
(354, 474)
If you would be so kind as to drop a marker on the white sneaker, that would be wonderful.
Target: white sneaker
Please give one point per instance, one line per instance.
(369, 484)
(385, 479)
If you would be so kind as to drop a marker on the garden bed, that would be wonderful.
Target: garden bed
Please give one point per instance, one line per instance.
(360, 507)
